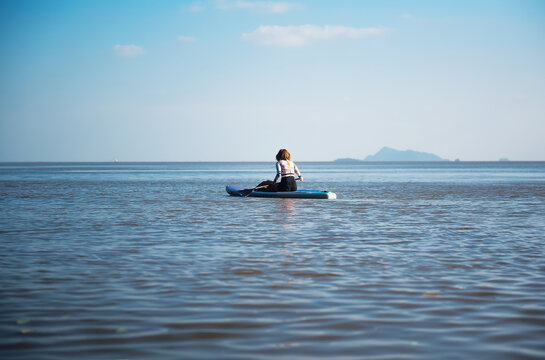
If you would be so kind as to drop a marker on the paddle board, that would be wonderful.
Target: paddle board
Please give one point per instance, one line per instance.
(299, 194)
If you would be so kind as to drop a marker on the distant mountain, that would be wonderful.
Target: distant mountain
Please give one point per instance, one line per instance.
(347, 160)
(389, 154)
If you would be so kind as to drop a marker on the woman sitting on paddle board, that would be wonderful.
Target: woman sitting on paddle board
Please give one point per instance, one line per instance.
(286, 170)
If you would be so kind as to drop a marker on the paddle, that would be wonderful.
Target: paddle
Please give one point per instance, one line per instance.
(246, 192)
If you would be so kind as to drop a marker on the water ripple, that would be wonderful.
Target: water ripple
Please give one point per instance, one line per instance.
(159, 264)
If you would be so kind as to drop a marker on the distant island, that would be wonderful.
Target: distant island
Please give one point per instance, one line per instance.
(389, 154)
(347, 160)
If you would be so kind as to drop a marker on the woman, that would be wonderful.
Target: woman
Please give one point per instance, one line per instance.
(286, 170)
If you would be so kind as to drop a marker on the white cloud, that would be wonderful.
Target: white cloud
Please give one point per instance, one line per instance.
(292, 36)
(128, 50)
(196, 7)
(266, 6)
(272, 7)
(186, 38)
(412, 18)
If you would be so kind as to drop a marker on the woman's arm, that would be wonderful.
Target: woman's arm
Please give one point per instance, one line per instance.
(278, 170)
(297, 172)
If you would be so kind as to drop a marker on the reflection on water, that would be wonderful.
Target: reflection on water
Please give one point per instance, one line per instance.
(286, 213)
(156, 261)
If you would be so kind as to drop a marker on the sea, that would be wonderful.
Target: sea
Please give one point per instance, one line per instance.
(156, 261)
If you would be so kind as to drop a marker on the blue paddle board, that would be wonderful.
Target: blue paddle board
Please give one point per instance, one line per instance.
(299, 194)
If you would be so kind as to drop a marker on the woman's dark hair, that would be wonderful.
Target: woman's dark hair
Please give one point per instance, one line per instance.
(283, 154)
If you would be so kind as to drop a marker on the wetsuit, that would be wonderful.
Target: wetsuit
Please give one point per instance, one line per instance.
(286, 170)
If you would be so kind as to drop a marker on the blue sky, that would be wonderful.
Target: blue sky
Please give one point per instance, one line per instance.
(237, 80)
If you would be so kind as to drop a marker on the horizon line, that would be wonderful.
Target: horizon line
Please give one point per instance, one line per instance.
(257, 161)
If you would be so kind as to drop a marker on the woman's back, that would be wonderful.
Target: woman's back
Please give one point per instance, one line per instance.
(285, 168)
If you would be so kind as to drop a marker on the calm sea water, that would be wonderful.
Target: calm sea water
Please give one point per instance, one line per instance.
(156, 261)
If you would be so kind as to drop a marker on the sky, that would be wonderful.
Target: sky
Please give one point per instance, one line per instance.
(237, 80)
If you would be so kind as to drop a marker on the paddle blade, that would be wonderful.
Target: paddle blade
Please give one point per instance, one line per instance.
(245, 192)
